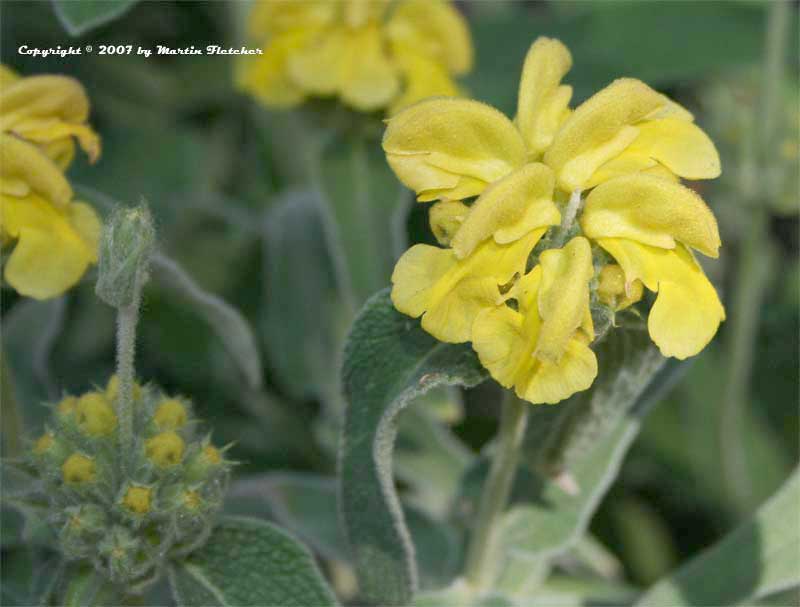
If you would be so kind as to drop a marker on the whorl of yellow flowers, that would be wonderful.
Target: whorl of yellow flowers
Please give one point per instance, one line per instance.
(54, 237)
(602, 177)
(371, 54)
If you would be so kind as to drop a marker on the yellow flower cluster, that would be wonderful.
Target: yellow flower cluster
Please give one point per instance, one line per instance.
(372, 54)
(605, 175)
(56, 238)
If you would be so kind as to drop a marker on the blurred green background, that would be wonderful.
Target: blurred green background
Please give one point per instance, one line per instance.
(215, 169)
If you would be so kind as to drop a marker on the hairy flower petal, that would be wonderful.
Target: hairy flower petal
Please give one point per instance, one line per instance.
(543, 102)
(441, 145)
(652, 211)
(687, 311)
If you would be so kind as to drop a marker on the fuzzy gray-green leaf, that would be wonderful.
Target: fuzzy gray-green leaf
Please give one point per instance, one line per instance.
(248, 562)
(758, 558)
(388, 361)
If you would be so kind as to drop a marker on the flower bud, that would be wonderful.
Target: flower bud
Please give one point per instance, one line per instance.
(44, 443)
(165, 449)
(112, 390)
(126, 244)
(613, 291)
(120, 549)
(204, 463)
(94, 415)
(83, 527)
(67, 406)
(78, 469)
(170, 415)
(137, 499)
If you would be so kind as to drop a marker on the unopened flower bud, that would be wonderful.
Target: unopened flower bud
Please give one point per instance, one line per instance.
(44, 443)
(165, 449)
(137, 499)
(78, 469)
(67, 406)
(94, 415)
(170, 415)
(446, 218)
(126, 245)
(120, 548)
(204, 462)
(112, 389)
(613, 291)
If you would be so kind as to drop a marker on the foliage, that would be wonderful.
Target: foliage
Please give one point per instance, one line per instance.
(362, 444)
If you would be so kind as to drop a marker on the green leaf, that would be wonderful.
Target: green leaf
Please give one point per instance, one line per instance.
(303, 503)
(587, 438)
(429, 459)
(228, 324)
(361, 214)
(758, 558)
(299, 313)
(306, 505)
(248, 562)
(80, 16)
(388, 361)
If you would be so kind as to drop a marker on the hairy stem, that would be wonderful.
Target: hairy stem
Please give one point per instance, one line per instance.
(127, 319)
(496, 491)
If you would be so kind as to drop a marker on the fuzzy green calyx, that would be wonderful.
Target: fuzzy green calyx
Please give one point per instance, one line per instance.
(128, 511)
(126, 245)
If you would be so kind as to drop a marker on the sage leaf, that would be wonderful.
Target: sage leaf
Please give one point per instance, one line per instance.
(362, 212)
(388, 361)
(80, 16)
(299, 311)
(248, 562)
(228, 324)
(758, 558)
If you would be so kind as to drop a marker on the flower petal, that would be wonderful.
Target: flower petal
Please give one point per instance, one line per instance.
(542, 104)
(424, 77)
(679, 145)
(504, 340)
(449, 292)
(266, 76)
(24, 168)
(687, 311)
(516, 204)
(436, 29)
(564, 296)
(54, 246)
(46, 108)
(599, 129)
(369, 79)
(652, 211)
(453, 147)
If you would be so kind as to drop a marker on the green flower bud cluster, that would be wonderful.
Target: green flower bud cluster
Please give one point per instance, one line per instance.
(126, 513)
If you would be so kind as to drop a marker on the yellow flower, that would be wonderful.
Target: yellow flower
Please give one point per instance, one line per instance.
(165, 449)
(49, 111)
(170, 414)
(137, 499)
(77, 469)
(607, 174)
(649, 225)
(367, 53)
(541, 348)
(94, 415)
(56, 238)
(112, 389)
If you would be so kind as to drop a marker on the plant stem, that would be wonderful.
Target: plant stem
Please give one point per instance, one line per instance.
(127, 319)
(496, 491)
(754, 265)
(568, 218)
